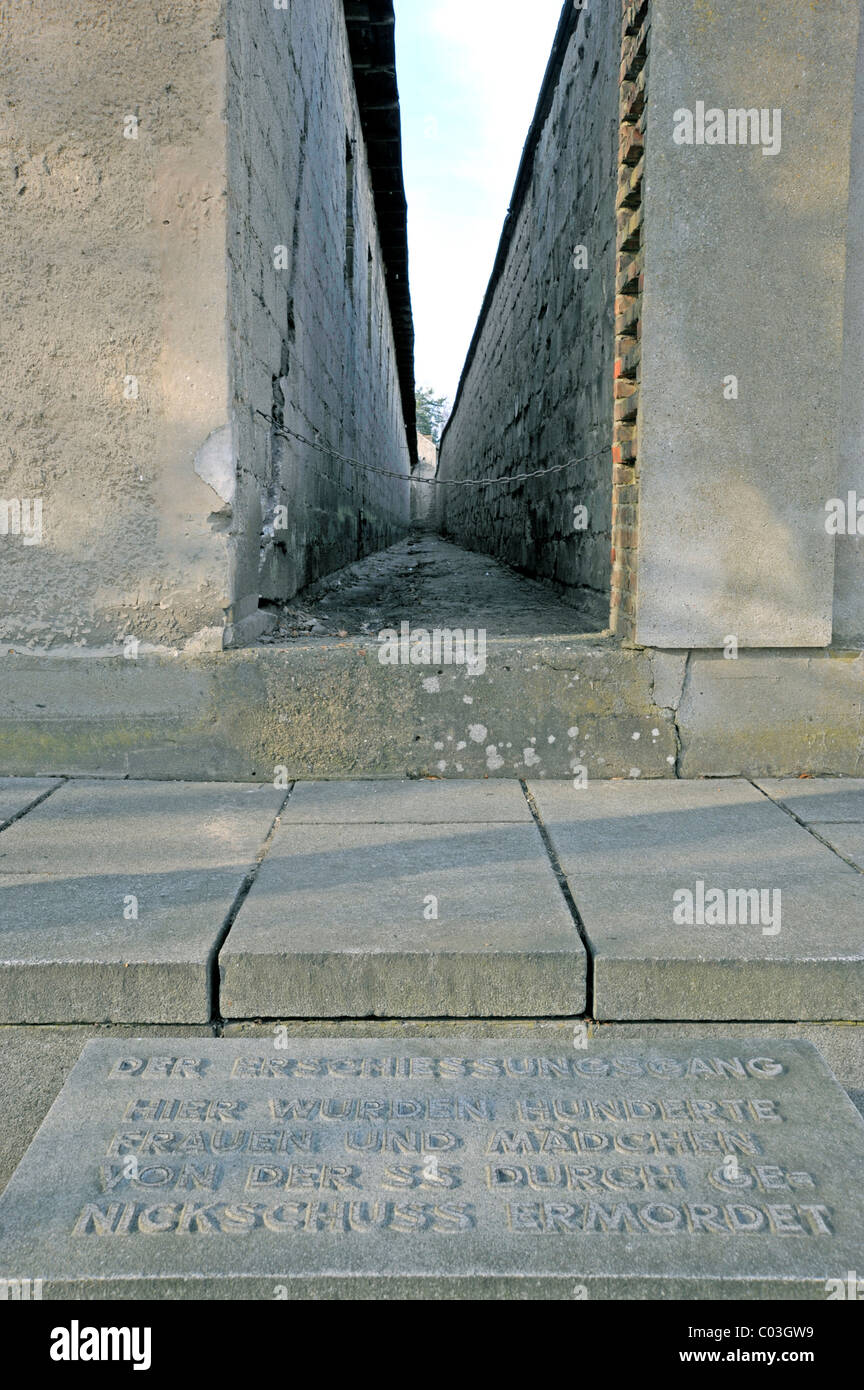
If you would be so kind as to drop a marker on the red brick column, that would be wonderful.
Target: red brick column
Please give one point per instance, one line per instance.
(628, 309)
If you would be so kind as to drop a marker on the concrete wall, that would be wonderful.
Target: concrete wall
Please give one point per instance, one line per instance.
(311, 345)
(849, 547)
(744, 277)
(158, 495)
(113, 267)
(538, 387)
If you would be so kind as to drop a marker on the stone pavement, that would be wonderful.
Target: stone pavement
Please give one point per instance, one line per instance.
(432, 584)
(159, 903)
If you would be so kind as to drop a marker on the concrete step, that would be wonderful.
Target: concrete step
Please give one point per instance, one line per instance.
(114, 898)
(416, 900)
(170, 902)
(549, 694)
(326, 708)
(706, 900)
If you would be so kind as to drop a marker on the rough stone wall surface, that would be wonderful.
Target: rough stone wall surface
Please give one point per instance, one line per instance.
(311, 342)
(424, 494)
(113, 268)
(539, 388)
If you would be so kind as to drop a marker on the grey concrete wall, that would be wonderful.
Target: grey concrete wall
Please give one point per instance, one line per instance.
(309, 346)
(849, 547)
(744, 276)
(158, 495)
(113, 267)
(539, 389)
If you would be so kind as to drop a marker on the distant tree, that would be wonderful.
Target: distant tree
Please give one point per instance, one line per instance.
(432, 412)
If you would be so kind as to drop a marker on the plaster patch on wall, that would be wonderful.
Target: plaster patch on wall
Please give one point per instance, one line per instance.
(214, 464)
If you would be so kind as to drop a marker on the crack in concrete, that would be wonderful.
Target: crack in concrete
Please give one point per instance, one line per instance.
(672, 708)
(679, 737)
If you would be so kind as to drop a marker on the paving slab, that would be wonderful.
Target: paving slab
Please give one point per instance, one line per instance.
(404, 921)
(101, 826)
(705, 901)
(423, 801)
(113, 902)
(68, 953)
(622, 828)
(440, 1168)
(648, 966)
(17, 793)
(818, 798)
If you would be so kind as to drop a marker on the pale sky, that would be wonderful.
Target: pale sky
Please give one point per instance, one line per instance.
(469, 77)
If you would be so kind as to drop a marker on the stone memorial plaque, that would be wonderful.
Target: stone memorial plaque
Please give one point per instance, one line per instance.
(440, 1168)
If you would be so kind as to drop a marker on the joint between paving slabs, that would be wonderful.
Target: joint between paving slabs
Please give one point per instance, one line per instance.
(241, 896)
(335, 1027)
(31, 806)
(804, 826)
(566, 892)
